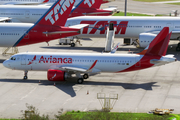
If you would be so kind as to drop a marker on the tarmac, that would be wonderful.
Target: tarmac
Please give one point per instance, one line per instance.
(138, 91)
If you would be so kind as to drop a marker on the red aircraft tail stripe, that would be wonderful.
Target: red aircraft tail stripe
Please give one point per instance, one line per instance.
(160, 43)
(58, 13)
(157, 49)
(91, 4)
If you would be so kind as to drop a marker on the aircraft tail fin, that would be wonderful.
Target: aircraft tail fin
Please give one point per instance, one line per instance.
(159, 45)
(57, 14)
(90, 4)
(115, 48)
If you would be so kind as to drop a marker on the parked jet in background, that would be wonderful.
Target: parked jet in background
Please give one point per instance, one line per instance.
(61, 66)
(23, 2)
(49, 27)
(144, 28)
(37, 2)
(30, 14)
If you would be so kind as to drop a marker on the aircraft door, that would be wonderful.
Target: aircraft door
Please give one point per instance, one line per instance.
(170, 25)
(23, 60)
(27, 14)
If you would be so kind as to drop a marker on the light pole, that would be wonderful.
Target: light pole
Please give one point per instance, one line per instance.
(125, 8)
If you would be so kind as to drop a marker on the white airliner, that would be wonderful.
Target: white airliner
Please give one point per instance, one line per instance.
(49, 27)
(144, 28)
(31, 13)
(25, 2)
(61, 66)
(36, 2)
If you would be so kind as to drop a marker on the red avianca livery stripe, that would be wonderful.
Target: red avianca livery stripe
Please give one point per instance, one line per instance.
(156, 49)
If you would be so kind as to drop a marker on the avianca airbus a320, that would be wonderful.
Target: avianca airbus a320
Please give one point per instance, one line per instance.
(61, 66)
(49, 27)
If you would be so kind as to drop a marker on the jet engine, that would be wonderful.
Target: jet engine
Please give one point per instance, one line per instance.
(145, 39)
(56, 75)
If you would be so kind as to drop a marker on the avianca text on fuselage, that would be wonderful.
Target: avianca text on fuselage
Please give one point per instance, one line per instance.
(55, 60)
(62, 6)
(102, 26)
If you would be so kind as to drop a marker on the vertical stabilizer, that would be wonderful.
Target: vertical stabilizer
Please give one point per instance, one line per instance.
(159, 45)
(58, 13)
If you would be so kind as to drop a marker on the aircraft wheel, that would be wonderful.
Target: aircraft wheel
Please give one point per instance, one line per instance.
(80, 81)
(60, 43)
(72, 44)
(25, 78)
(178, 45)
(177, 48)
(85, 76)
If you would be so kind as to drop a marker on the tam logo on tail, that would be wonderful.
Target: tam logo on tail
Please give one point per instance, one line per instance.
(89, 3)
(60, 8)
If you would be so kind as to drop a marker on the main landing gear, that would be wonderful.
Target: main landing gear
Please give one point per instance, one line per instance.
(80, 79)
(178, 47)
(25, 75)
(85, 76)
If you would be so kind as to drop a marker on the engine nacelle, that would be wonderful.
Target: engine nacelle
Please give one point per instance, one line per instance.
(145, 39)
(55, 75)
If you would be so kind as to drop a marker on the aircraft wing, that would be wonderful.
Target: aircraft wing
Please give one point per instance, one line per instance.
(74, 69)
(79, 69)
(157, 32)
(176, 32)
(3, 19)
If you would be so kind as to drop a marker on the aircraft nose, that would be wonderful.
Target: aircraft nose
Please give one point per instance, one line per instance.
(5, 63)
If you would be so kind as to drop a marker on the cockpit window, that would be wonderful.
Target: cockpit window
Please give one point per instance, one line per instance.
(13, 58)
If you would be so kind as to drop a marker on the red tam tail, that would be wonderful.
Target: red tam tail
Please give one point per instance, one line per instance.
(58, 13)
(90, 4)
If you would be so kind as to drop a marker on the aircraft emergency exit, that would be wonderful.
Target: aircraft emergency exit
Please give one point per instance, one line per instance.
(60, 66)
(49, 27)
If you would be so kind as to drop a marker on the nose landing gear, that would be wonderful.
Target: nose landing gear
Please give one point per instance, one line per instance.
(25, 75)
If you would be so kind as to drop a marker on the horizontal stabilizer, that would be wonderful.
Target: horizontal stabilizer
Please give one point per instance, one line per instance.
(111, 9)
(95, 13)
(58, 32)
(79, 26)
